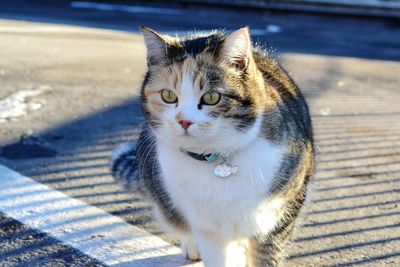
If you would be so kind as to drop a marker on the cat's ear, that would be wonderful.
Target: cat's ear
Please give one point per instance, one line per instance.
(236, 49)
(156, 45)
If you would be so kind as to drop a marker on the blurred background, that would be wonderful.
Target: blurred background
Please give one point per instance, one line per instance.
(70, 75)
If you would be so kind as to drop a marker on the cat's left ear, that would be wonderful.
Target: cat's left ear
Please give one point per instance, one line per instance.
(237, 48)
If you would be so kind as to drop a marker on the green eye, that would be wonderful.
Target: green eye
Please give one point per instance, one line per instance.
(210, 98)
(168, 96)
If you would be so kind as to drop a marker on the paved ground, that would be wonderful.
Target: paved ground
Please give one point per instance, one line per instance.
(20, 245)
(347, 67)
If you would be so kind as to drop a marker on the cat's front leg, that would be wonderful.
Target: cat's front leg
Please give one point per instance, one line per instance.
(267, 250)
(189, 248)
(212, 249)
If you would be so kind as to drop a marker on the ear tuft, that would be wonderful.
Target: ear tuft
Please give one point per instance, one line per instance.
(236, 49)
(156, 45)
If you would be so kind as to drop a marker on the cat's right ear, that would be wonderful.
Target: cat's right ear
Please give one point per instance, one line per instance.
(156, 45)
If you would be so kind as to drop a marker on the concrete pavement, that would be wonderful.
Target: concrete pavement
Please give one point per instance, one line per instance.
(92, 79)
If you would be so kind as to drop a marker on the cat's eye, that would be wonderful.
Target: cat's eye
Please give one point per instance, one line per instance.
(210, 98)
(168, 96)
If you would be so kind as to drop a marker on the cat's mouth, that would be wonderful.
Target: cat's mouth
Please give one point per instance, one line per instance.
(186, 134)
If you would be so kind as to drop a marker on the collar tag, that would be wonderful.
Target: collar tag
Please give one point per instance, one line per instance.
(224, 170)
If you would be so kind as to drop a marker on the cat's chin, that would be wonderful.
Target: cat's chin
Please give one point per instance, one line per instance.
(192, 143)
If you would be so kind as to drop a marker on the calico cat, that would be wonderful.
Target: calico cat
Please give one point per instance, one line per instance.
(226, 150)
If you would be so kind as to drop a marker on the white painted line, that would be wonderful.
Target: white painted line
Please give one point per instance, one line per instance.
(94, 232)
(125, 8)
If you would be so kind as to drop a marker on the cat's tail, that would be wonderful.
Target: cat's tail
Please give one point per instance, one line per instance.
(123, 165)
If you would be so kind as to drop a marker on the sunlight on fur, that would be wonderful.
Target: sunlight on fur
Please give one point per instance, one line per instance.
(226, 150)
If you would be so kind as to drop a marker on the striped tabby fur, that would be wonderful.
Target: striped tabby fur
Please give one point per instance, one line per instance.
(261, 124)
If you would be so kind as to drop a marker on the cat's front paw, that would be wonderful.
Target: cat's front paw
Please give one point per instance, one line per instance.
(190, 251)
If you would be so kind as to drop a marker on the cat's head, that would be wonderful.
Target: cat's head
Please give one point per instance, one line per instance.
(202, 92)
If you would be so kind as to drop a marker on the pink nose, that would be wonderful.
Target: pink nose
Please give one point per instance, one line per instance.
(185, 124)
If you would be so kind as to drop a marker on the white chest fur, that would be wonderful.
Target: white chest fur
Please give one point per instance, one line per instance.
(234, 207)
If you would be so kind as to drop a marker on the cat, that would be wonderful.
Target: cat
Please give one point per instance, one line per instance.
(226, 150)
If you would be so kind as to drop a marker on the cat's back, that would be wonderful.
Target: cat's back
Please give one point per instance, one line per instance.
(289, 110)
(274, 74)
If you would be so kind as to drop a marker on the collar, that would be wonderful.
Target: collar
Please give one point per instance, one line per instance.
(221, 170)
(209, 158)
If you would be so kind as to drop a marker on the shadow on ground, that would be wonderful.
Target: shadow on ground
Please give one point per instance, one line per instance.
(18, 243)
(353, 193)
(82, 149)
(74, 158)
